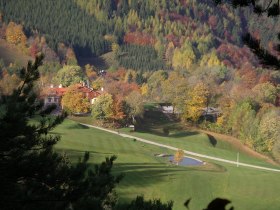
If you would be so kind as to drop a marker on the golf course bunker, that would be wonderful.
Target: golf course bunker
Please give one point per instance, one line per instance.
(187, 161)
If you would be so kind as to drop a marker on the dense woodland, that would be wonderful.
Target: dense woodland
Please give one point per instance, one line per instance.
(189, 53)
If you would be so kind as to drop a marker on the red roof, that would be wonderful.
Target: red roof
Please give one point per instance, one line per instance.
(89, 92)
(56, 91)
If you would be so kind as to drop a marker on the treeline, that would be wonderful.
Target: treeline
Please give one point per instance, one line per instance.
(139, 58)
(60, 21)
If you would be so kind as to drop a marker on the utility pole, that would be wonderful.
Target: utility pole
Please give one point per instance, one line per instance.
(237, 160)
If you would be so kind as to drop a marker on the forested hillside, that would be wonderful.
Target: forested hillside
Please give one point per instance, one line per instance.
(91, 26)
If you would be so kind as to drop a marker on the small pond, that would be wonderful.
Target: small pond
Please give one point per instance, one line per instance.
(187, 161)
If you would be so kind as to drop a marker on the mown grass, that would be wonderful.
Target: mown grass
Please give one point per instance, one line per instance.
(154, 177)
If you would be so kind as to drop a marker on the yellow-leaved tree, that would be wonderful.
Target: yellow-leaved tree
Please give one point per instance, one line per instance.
(197, 100)
(144, 89)
(184, 57)
(74, 101)
(178, 157)
(15, 34)
(226, 104)
(210, 60)
(115, 48)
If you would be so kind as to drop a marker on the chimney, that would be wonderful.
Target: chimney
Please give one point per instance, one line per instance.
(102, 89)
(51, 85)
(60, 86)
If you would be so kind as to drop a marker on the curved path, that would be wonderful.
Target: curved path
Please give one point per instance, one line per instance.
(185, 151)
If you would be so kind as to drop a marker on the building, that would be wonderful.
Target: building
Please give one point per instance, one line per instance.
(166, 108)
(53, 95)
(211, 113)
(88, 92)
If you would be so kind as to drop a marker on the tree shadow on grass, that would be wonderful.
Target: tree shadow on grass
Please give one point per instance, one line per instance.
(184, 134)
(80, 153)
(160, 132)
(77, 126)
(152, 131)
(141, 174)
(166, 164)
(156, 117)
(212, 140)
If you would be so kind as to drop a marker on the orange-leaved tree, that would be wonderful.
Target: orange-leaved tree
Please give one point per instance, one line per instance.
(119, 106)
(74, 101)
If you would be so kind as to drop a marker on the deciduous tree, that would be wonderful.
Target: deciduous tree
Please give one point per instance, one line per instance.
(71, 59)
(69, 75)
(197, 99)
(179, 156)
(136, 106)
(119, 108)
(74, 101)
(90, 72)
(15, 34)
(103, 107)
(210, 60)
(243, 121)
(265, 93)
(174, 90)
(184, 57)
(155, 84)
(270, 130)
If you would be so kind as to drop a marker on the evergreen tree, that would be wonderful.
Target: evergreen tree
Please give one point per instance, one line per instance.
(139, 78)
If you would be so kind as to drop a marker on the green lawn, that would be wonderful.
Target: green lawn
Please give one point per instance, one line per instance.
(155, 178)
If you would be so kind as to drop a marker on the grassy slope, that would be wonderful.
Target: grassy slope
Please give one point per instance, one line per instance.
(10, 54)
(152, 129)
(154, 178)
(200, 143)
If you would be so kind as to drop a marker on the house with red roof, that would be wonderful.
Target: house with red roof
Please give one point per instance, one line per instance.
(88, 92)
(53, 95)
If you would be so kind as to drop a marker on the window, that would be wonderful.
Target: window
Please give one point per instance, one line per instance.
(49, 100)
